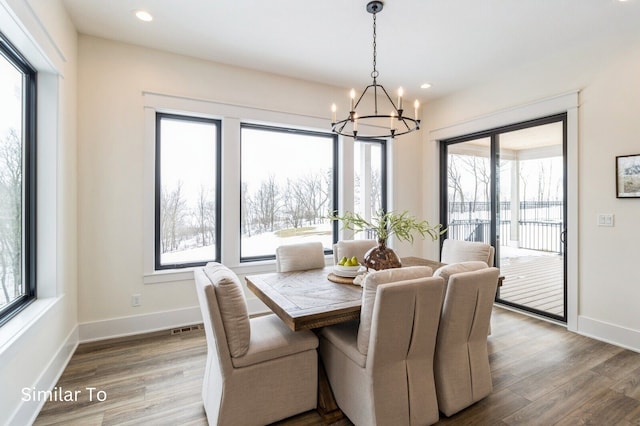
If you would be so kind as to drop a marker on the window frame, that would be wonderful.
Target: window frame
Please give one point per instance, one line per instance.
(231, 115)
(158, 191)
(335, 177)
(493, 135)
(383, 168)
(29, 179)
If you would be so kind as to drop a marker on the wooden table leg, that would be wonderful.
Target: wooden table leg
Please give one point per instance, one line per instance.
(327, 407)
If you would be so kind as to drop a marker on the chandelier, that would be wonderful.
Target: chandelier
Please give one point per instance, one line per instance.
(364, 113)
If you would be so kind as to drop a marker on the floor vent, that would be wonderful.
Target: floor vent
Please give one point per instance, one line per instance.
(187, 329)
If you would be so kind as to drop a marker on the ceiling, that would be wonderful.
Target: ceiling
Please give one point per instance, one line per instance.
(452, 44)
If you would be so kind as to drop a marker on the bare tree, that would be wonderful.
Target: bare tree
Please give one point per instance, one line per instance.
(484, 177)
(295, 202)
(478, 166)
(267, 204)
(455, 181)
(205, 216)
(246, 211)
(173, 213)
(542, 181)
(317, 195)
(376, 191)
(11, 214)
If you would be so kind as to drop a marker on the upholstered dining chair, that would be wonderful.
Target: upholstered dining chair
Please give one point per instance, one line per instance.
(350, 248)
(258, 371)
(461, 367)
(455, 251)
(381, 369)
(299, 257)
(448, 270)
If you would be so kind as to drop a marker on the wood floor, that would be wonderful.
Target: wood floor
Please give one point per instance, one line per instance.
(542, 375)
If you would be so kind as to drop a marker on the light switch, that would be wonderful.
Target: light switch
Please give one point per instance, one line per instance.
(605, 219)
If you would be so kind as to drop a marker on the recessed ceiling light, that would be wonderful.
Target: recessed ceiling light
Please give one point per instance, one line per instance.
(425, 85)
(143, 15)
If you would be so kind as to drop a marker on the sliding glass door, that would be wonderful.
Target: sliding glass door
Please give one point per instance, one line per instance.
(506, 187)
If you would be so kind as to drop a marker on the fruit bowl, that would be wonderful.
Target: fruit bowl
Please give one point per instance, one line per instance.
(346, 271)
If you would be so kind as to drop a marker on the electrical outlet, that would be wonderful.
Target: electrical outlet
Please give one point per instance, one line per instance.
(605, 219)
(136, 300)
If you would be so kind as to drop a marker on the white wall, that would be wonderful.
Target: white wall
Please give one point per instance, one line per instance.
(608, 277)
(36, 344)
(111, 156)
(609, 271)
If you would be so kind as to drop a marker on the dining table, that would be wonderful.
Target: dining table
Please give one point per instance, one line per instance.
(317, 297)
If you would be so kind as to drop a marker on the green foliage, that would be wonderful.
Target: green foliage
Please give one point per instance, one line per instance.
(402, 225)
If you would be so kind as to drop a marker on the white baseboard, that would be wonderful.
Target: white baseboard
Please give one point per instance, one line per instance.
(609, 333)
(147, 323)
(27, 412)
(138, 324)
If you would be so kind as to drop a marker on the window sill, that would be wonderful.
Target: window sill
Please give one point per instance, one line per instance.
(168, 276)
(186, 274)
(17, 326)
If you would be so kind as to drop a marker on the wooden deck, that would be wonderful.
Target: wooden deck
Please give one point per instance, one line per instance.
(535, 281)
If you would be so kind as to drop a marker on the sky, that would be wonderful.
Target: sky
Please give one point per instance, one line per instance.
(10, 98)
(188, 155)
(285, 155)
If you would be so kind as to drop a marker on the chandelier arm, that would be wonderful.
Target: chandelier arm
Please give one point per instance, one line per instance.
(362, 96)
(398, 111)
(404, 121)
(339, 126)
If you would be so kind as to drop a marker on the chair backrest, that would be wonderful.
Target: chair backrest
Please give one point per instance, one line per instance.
(299, 257)
(401, 350)
(224, 312)
(456, 251)
(461, 367)
(448, 270)
(370, 286)
(350, 248)
(217, 348)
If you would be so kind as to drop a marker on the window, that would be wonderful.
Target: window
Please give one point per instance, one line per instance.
(288, 187)
(187, 199)
(17, 181)
(370, 179)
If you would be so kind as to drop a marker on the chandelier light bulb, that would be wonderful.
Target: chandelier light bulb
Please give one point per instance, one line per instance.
(400, 93)
(416, 106)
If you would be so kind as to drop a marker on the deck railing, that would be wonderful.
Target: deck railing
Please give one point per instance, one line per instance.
(533, 235)
(539, 228)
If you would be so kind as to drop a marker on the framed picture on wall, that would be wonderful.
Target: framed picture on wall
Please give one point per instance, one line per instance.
(628, 176)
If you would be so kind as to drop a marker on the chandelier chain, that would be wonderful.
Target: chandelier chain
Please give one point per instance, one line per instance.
(374, 73)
